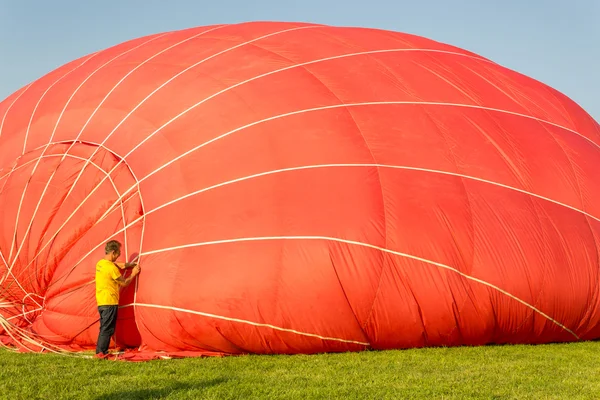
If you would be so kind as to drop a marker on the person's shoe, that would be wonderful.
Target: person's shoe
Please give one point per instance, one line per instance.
(101, 356)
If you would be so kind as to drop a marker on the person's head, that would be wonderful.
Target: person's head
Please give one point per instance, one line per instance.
(112, 250)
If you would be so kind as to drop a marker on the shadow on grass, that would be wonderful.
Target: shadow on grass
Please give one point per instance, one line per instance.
(158, 393)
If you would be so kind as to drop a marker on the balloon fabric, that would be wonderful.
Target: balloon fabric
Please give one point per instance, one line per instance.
(297, 188)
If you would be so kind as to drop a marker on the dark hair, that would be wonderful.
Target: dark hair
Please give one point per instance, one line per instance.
(113, 245)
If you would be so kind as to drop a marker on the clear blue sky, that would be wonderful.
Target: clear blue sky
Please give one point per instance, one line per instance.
(554, 41)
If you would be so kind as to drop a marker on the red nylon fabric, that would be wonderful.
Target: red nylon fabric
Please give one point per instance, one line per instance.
(297, 188)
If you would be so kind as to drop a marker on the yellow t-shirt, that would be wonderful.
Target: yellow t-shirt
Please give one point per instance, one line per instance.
(107, 289)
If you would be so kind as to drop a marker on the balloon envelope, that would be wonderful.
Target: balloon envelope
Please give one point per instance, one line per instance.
(297, 188)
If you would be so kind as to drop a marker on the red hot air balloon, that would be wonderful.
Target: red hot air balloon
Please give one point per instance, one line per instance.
(297, 188)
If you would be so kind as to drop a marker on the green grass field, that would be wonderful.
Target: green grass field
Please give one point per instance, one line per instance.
(558, 371)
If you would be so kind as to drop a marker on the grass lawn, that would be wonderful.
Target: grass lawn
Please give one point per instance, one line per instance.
(558, 371)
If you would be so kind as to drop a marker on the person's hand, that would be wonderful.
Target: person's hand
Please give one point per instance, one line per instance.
(130, 264)
(136, 270)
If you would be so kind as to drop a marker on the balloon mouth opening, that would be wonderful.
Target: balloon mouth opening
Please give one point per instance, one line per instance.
(61, 203)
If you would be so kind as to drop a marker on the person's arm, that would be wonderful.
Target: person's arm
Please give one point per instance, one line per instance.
(124, 282)
(125, 265)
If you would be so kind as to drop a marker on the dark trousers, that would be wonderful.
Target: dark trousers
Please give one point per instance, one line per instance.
(108, 322)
